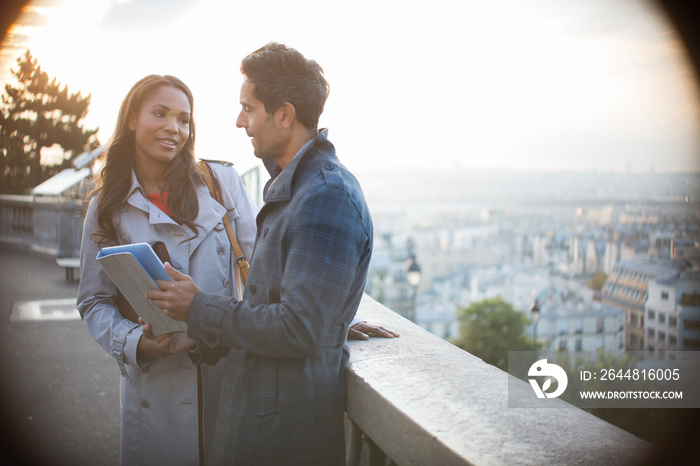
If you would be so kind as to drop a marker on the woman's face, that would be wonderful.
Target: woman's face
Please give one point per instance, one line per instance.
(161, 127)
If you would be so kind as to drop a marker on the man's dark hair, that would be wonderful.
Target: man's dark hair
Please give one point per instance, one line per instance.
(281, 74)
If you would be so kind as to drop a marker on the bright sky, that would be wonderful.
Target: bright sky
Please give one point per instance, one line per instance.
(499, 84)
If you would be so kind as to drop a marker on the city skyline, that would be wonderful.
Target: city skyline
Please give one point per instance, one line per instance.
(586, 85)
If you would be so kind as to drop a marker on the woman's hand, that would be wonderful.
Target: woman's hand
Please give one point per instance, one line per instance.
(162, 345)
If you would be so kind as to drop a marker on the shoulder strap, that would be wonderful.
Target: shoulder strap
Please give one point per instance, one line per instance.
(207, 174)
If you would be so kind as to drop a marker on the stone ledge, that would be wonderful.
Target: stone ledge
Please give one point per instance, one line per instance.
(422, 400)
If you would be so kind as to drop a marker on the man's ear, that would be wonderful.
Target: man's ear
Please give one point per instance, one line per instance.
(287, 114)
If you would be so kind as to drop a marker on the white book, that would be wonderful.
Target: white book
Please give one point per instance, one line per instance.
(134, 268)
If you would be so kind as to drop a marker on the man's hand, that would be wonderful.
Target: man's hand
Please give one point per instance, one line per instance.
(168, 343)
(174, 297)
(363, 330)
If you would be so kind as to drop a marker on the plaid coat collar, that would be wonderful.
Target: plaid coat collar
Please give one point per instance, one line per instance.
(279, 187)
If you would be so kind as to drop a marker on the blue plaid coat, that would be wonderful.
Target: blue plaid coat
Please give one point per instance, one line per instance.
(283, 395)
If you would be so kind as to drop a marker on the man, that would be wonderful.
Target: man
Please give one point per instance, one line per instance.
(283, 393)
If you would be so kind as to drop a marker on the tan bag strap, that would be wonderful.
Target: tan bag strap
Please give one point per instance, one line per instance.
(240, 257)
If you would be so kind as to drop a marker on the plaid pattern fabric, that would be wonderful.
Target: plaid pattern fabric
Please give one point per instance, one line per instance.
(283, 394)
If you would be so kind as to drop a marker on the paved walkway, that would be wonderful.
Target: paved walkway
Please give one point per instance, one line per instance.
(59, 391)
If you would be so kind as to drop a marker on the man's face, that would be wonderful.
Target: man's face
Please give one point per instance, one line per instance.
(267, 139)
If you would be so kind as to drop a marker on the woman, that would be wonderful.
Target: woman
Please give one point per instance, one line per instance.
(150, 189)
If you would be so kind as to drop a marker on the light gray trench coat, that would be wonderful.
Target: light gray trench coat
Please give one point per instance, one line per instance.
(159, 398)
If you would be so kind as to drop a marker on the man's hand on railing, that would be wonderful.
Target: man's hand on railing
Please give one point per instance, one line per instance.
(363, 330)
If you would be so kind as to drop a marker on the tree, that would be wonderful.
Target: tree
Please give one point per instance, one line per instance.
(38, 113)
(597, 281)
(491, 328)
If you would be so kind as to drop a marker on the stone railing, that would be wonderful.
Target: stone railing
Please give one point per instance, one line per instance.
(48, 226)
(419, 400)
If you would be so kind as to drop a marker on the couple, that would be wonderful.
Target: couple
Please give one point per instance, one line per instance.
(257, 378)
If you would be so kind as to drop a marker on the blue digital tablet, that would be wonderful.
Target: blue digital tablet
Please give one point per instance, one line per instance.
(143, 252)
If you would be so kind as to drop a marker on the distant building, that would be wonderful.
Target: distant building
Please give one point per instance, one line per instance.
(611, 256)
(387, 281)
(673, 315)
(685, 248)
(627, 287)
(591, 264)
(438, 309)
(580, 325)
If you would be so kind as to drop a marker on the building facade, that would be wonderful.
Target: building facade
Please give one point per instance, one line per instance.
(673, 315)
(627, 287)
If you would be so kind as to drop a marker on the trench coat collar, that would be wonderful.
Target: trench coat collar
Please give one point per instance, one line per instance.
(279, 187)
(210, 211)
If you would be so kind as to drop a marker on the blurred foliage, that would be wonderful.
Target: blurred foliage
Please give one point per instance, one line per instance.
(35, 114)
(597, 281)
(491, 328)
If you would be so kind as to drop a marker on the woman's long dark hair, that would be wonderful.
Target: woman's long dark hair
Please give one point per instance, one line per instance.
(113, 182)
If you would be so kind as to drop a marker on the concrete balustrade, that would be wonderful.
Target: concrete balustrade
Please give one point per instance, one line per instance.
(423, 401)
(49, 226)
(16, 219)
